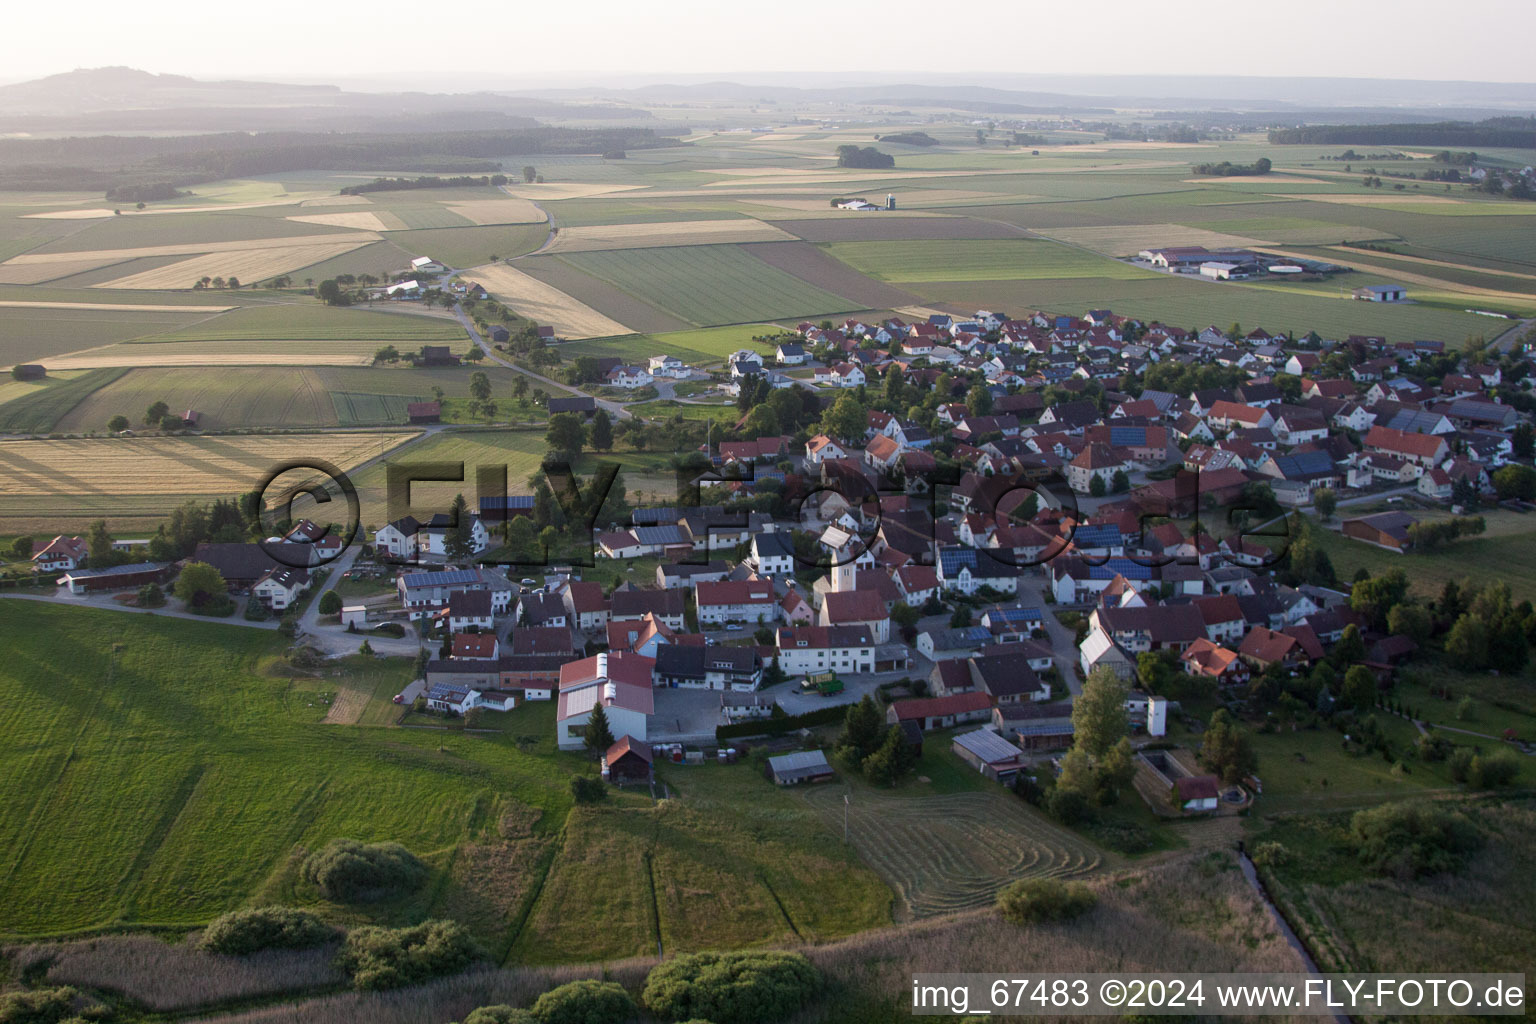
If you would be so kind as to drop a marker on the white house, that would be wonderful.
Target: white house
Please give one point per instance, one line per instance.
(736, 601)
(806, 650)
(668, 366)
(619, 683)
(279, 587)
(773, 554)
(821, 448)
(629, 377)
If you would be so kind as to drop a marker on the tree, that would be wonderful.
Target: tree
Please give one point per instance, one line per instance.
(1349, 649)
(459, 542)
(1515, 481)
(1407, 840)
(1325, 500)
(330, 603)
(199, 583)
(1374, 598)
(332, 294)
(155, 414)
(100, 542)
(530, 173)
(1410, 620)
(905, 617)
(845, 419)
(1225, 749)
(1467, 642)
(597, 736)
(1120, 482)
(1359, 688)
(1096, 486)
(602, 431)
(565, 434)
(1523, 441)
(978, 401)
(863, 729)
(117, 424)
(1037, 900)
(587, 1001)
(479, 385)
(731, 988)
(1098, 714)
(21, 548)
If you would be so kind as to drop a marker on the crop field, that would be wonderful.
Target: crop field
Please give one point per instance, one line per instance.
(1018, 259)
(202, 232)
(520, 451)
(646, 235)
(472, 246)
(710, 285)
(543, 303)
(1129, 239)
(220, 353)
(30, 334)
(633, 311)
(952, 852)
(813, 263)
(708, 346)
(315, 321)
(240, 772)
(880, 228)
(194, 247)
(41, 409)
(225, 398)
(1507, 553)
(244, 264)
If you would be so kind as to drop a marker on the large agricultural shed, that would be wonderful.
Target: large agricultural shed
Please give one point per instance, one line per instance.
(801, 766)
(117, 577)
(989, 754)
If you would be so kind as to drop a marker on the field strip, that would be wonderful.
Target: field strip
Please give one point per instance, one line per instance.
(1396, 257)
(250, 265)
(338, 201)
(1126, 239)
(120, 307)
(100, 213)
(1256, 179)
(486, 212)
(271, 353)
(919, 312)
(353, 238)
(359, 220)
(651, 235)
(1407, 277)
(851, 176)
(546, 304)
(1385, 199)
(563, 190)
(37, 273)
(172, 465)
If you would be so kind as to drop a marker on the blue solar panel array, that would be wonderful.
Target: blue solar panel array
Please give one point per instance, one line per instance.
(1127, 437)
(1097, 535)
(1015, 615)
(507, 501)
(441, 579)
(1304, 463)
(1113, 567)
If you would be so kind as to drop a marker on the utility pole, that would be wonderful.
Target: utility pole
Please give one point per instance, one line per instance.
(845, 819)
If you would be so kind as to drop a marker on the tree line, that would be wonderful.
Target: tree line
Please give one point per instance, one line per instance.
(1511, 132)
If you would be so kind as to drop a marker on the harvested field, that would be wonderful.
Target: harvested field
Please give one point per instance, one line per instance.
(37, 273)
(362, 220)
(648, 235)
(812, 264)
(225, 397)
(1385, 199)
(951, 852)
(39, 409)
(873, 227)
(220, 353)
(122, 307)
(29, 335)
(338, 201)
(246, 264)
(546, 304)
(347, 706)
(598, 294)
(1129, 239)
(316, 322)
(171, 465)
(563, 190)
(1012, 259)
(498, 211)
(709, 285)
(1256, 179)
(191, 248)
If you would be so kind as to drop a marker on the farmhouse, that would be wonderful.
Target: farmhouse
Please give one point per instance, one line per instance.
(941, 712)
(279, 587)
(808, 650)
(61, 554)
(619, 683)
(736, 601)
(423, 412)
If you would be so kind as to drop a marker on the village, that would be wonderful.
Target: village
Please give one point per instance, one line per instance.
(1042, 517)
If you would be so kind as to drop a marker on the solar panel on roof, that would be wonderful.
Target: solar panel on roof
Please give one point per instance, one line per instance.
(507, 501)
(1127, 437)
(1016, 614)
(1122, 567)
(441, 579)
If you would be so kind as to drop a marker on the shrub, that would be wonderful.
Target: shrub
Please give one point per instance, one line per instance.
(380, 958)
(348, 871)
(247, 931)
(47, 1006)
(588, 1001)
(1271, 855)
(1067, 806)
(1407, 840)
(257, 611)
(330, 603)
(501, 1014)
(151, 596)
(731, 988)
(1036, 900)
(588, 790)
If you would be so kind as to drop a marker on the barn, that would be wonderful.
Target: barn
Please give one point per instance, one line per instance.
(989, 754)
(118, 577)
(628, 759)
(801, 766)
(1384, 529)
(1381, 293)
(424, 412)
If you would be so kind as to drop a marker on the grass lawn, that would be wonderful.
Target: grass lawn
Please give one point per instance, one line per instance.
(667, 409)
(707, 347)
(35, 334)
(311, 320)
(1507, 552)
(1310, 770)
(710, 284)
(1498, 702)
(40, 409)
(998, 259)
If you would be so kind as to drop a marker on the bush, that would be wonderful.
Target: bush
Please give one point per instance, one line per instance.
(1271, 855)
(348, 871)
(1067, 806)
(151, 596)
(46, 1006)
(588, 790)
(1037, 900)
(247, 931)
(588, 1001)
(501, 1014)
(731, 988)
(330, 603)
(256, 610)
(1407, 840)
(380, 958)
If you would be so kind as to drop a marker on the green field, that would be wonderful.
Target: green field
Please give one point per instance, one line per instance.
(996, 259)
(181, 229)
(697, 348)
(1507, 552)
(30, 335)
(40, 410)
(709, 284)
(310, 320)
(472, 246)
(164, 773)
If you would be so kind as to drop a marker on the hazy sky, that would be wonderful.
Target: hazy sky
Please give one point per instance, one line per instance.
(327, 40)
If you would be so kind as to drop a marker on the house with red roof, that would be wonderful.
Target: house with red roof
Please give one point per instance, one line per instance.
(618, 683)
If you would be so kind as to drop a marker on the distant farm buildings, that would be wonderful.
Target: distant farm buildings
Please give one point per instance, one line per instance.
(1381, 293)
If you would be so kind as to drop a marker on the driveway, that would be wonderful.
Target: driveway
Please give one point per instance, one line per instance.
(333, 641)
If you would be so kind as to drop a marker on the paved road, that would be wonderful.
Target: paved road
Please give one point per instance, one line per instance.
(334, 641)
(614, 409)
(1506, 341)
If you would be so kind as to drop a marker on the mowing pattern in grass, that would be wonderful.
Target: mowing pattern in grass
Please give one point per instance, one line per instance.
(709, 284)
(312, 321)
(1014, 259)
(356, 410)
(38, 411)
(954, 852)
(106, 824)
